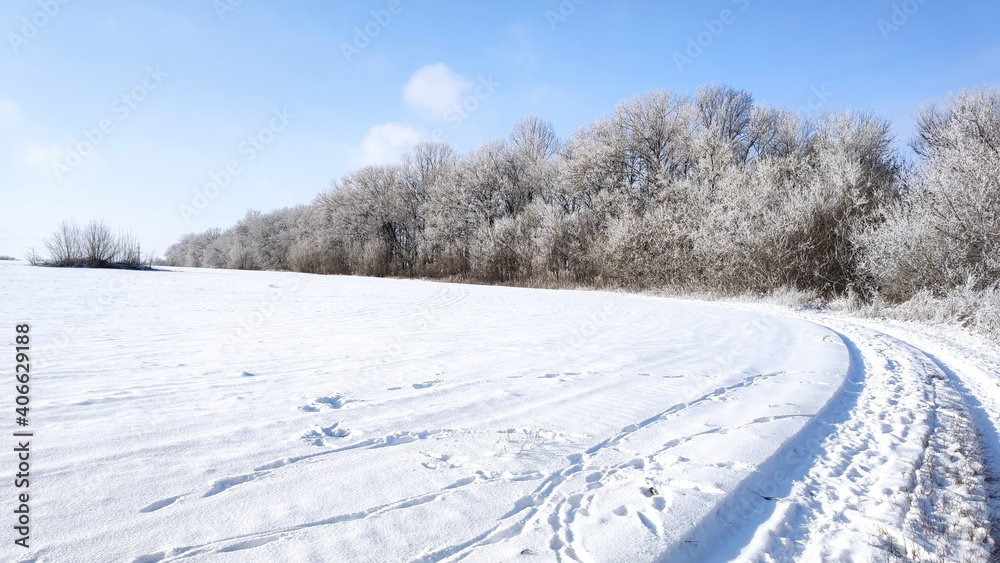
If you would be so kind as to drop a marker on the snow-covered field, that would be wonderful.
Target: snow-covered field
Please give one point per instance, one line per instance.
(211, 415)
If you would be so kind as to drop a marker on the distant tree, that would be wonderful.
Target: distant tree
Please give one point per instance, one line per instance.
(66, 244)
(374, 213)
(94, 245)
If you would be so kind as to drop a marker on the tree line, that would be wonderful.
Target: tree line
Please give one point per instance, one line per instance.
(704, 193)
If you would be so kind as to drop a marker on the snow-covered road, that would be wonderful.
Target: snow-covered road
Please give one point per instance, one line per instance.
(901, 473)
(210, 415)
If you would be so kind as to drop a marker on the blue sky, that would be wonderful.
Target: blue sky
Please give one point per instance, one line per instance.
(129, 110)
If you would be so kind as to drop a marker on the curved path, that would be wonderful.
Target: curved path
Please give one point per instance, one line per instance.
(902, 470)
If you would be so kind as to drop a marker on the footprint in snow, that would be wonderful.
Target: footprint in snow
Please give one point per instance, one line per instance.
(334, 402)
(426, 384)
(443, 461)
(319, 434)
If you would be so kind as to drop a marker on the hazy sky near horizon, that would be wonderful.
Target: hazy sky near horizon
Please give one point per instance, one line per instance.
(172, 117)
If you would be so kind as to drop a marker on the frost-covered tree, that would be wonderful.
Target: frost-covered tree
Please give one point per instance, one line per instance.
(654, 134)
(793, 220)
(449, 225)
(946, 230)
(726, 113)
(374, 214)
(708, 192)
(592, 163)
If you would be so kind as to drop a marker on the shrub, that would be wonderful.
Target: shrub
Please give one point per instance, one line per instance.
(93, 246)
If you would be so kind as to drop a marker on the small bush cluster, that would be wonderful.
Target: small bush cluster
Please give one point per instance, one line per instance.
(94, 245)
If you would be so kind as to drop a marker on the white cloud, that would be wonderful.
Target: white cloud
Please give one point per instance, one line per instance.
(386, 142)
(43, 156)
(435, 89)
(9, 110)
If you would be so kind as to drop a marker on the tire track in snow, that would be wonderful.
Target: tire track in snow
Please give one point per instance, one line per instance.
(974, 371)
(885, 481)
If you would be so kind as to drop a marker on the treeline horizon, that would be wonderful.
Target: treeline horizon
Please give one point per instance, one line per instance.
(704, 193)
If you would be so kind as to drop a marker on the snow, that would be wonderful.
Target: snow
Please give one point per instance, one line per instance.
(900, 468)
(213, 415)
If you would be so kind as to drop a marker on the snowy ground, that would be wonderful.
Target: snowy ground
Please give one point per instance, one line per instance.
(210, 415)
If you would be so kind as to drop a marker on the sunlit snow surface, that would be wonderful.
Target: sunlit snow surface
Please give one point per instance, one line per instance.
(211, 415)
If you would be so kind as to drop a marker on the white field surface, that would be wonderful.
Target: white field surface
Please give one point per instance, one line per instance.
(207, 415)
